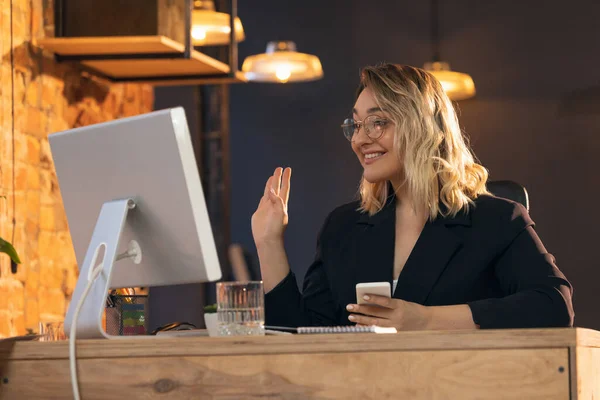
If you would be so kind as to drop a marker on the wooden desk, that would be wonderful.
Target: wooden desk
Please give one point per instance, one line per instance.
(510, 364)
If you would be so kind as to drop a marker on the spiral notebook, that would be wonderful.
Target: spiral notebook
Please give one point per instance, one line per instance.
(333, 329)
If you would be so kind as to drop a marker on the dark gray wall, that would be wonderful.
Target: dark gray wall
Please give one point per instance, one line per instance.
(527, 59)
(178, 303)
(295, 125)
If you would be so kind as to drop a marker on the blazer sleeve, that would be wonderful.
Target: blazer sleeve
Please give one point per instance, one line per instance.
(286, 306)
(538, 295)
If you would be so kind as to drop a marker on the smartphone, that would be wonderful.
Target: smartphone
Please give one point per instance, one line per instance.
(377, 288)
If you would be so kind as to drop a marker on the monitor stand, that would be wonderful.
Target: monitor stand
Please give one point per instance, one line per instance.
(106, 236)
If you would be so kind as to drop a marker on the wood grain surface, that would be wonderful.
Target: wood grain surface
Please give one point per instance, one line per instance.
(298, 344)
(452, 374)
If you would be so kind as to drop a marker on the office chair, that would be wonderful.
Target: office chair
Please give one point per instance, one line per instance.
(244, 265)
(509, 190)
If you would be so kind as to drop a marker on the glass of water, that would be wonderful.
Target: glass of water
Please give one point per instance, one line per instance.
(241, 308)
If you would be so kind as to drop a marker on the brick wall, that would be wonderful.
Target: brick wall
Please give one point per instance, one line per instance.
(44, 97)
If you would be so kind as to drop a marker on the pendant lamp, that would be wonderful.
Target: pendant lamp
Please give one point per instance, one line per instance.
(281, 63)
(211, 28)
(457, 85)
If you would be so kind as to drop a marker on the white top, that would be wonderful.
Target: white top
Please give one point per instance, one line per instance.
(394, 286)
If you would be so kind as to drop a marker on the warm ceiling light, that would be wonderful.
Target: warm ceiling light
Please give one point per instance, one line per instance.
(212, 28)
(457, 85)
(281, 63)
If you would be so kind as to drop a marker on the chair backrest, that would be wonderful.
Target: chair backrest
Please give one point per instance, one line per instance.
(509, 190)
(244, 265)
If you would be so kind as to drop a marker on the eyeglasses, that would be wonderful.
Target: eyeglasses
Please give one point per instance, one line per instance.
(373, 124)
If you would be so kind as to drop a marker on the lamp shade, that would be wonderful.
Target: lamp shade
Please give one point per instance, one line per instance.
(281, 63)
(213, 28)
(457, 85)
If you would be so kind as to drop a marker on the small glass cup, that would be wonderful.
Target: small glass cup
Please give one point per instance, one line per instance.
(52, 331)
(240, 308)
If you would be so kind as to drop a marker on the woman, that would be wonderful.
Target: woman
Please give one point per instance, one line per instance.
(458, 257)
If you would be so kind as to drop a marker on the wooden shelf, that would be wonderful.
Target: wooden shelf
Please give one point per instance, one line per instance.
(157, 60)
(239, 78)
(83, 46)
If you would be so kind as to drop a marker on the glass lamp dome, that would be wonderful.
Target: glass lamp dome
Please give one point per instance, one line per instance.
(211, 28)
(281, 63)
(457, 85)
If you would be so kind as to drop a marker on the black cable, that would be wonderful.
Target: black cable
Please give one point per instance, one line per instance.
(179, 326)
(435, 34)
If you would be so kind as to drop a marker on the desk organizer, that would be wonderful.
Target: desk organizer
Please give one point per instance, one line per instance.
(126, 315)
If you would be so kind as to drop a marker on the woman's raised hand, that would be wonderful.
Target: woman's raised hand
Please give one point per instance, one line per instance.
(271, 217)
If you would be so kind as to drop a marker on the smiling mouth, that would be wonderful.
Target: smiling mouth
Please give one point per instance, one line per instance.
(372, 157)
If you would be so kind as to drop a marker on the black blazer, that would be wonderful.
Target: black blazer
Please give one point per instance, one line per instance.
(489, 258)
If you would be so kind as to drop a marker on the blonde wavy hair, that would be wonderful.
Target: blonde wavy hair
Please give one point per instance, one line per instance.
(439, 168)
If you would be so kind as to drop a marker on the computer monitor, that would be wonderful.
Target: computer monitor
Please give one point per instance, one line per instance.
(132, 185)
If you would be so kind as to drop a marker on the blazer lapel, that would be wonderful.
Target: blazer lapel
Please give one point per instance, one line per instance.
(428, 260)
(374, 252)
(375, 246)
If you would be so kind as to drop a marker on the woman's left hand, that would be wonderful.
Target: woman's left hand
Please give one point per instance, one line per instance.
(389, 312)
